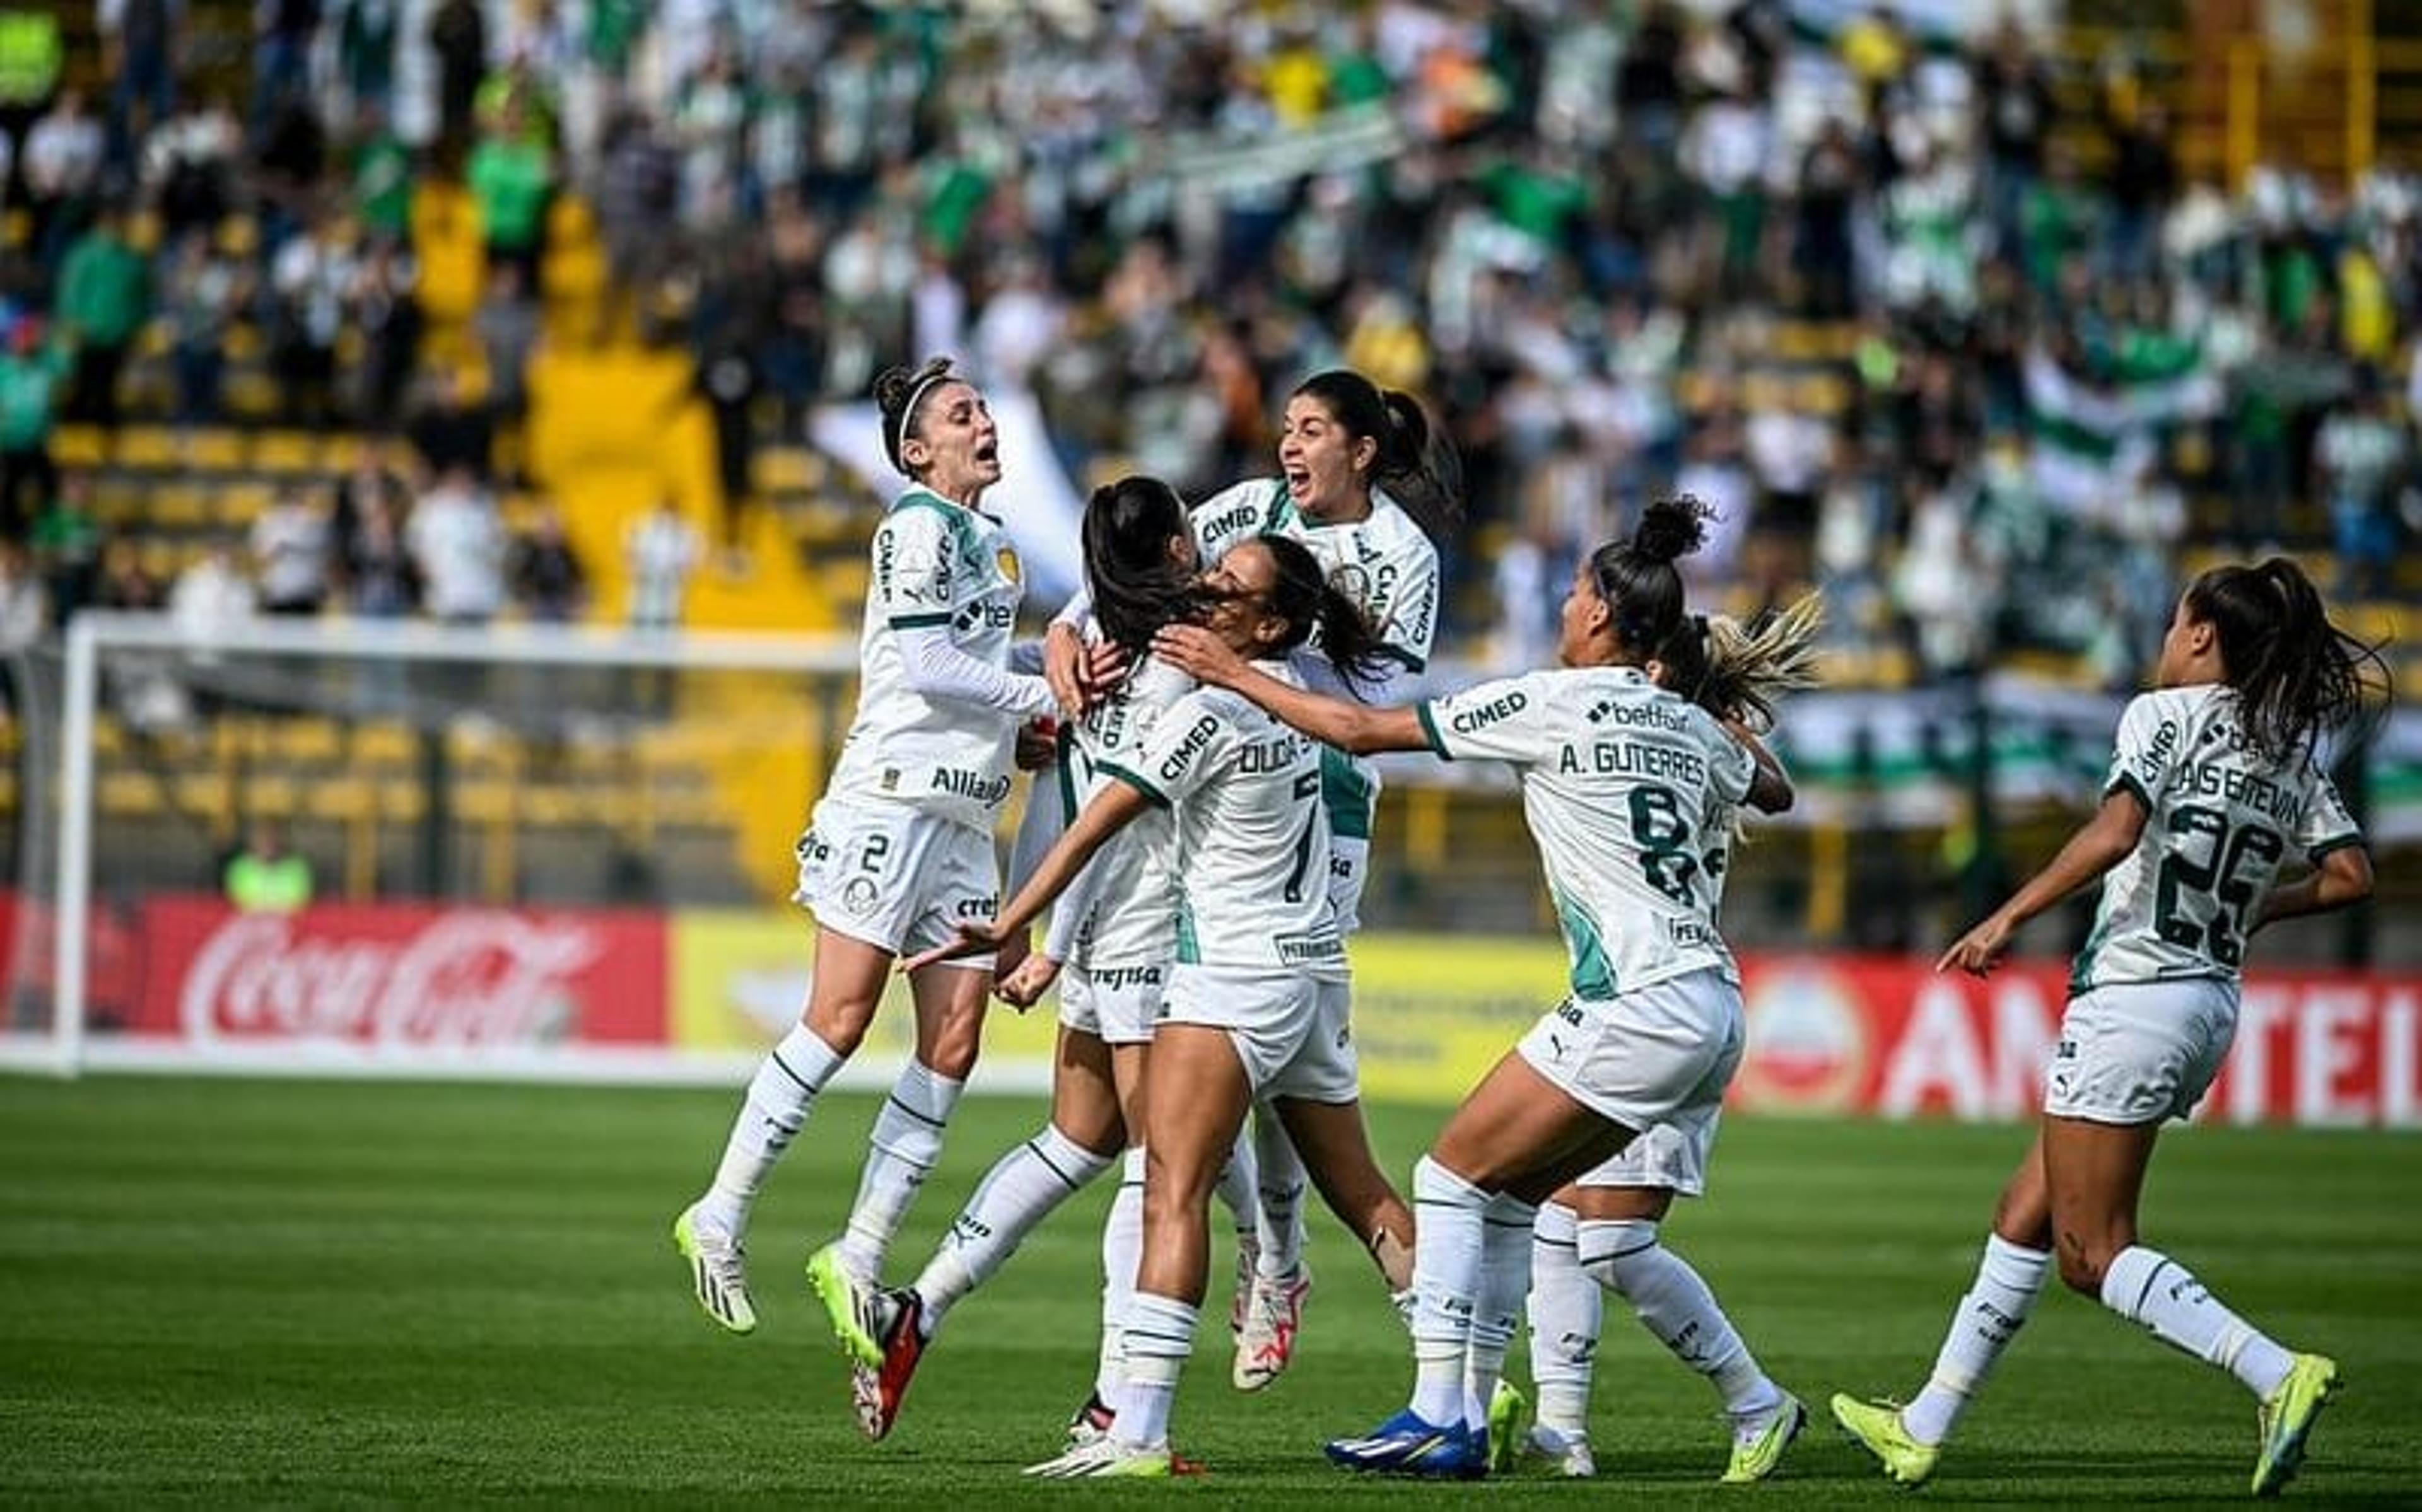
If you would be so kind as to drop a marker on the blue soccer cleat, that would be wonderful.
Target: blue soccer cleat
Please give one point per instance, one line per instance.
(1406, 1445)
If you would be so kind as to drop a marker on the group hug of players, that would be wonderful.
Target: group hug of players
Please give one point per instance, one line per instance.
(1199, 832)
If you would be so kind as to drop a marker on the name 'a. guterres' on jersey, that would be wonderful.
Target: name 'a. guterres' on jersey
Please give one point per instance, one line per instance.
(935, 565)
(1620, 781)
(1251, 854)
(2220, 820)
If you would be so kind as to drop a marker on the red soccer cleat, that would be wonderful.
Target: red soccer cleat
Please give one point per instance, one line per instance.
(877, 1392)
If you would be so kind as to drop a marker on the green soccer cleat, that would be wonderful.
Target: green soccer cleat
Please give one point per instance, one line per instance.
(1107, 1458)
(1758, 1444)
(1878, 1425)
(715, 1274)
(1509, 1424)
(2286, 1420)
(854, 1308)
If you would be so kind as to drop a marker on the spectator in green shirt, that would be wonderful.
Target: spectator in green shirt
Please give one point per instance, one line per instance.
(265, 877)
(30, 370)
(511, 179)
(104, 295)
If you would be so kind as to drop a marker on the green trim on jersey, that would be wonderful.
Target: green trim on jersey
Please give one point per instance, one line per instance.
(1400, 656)
(2128, 781)
(963, 535)
(1430, 730)
(1065, 748)
(1592, 973)
(2334, 843)
(1140, 784)
(1346, 794)
(1189, 951)
(916, 621)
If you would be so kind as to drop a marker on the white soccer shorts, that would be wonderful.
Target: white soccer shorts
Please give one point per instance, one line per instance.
(2140, 1053)
(1116, 1005)
(1292, 1033)
(899, 879)
(1662, 1053)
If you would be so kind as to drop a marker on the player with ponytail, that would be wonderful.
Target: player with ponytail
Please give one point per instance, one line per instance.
(2216, 779)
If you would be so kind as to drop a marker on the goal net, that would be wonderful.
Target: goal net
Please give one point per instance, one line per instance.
(532, 852)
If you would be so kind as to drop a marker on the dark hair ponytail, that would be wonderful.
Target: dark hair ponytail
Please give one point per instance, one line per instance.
(1737, 671)
(1415, 462)
(1637, 577)
(899, 393)
(1136, 588)
(2296, 675)
(1302, 597)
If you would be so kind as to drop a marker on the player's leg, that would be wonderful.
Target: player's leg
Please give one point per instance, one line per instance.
(1565, 1306)
(1023, 1188)
(2096, 1173)
(848, 980)
(2009, 1277)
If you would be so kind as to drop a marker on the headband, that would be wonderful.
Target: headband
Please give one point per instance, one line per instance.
(908, 414)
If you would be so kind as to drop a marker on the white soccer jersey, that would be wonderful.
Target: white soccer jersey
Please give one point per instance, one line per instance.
(1130, 917)
(1252, 853)
(1383, 561)
(936, 563)
(2219, 818)
(1619, 779)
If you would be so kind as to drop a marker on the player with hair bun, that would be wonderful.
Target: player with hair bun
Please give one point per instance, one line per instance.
(2216, 779)
(899, 848)
(1617, 776)
(1601, 1233)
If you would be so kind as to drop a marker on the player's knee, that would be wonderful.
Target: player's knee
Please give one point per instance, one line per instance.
(951, 1050)
(841, 1025)
(2082, 1264)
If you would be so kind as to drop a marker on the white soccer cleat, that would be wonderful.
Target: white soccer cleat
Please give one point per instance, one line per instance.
(1272, 1319)
(1107, 1458)
(1248, 1258)
(717, 1274)
(1565, 1453)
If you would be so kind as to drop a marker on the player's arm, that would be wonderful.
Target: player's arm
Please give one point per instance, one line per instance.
(1769, 787)
(1111, 810)
(1333, 722)
(2340, 876)
(2102, 843)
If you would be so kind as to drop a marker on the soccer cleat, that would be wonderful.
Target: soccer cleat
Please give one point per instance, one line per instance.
(2287, 1418)
(1272, 1319)
(1509, 1422)
(1878, 1425)
(1758, 1442)
(854, 1307)
(876, 1393)
(1107, 1458)
(1406, 1445)
(715, 1274)
(1092, 1422)
(1567, 1453)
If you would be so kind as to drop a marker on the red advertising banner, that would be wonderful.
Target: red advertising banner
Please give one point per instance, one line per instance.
(1892, 1037)
(401, 977)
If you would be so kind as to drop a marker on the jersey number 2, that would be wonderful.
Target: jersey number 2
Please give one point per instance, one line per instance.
(2204, 903)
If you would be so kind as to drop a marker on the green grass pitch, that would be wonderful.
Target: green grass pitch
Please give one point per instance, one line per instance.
(247, 1292)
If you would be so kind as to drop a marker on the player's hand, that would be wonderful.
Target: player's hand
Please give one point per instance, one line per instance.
(1038, 743)
(1024, 986)
(1199, 654)
(1063, 667)
(1105, 664)
(973, 940)
(1979, 950)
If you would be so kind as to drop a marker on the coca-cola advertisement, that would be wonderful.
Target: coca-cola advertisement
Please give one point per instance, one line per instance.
(402, 978)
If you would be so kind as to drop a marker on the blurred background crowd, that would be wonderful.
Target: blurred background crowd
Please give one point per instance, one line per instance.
(1990, 325)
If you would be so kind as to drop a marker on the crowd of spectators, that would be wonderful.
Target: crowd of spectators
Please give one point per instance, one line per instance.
(1972, 355)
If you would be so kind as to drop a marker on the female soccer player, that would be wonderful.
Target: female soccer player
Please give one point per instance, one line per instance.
(1255, 1007)
(1115, 932)
(1617, 775)
(1368, 487)
(900, 848)
(1602, 1231)
(2215, 776)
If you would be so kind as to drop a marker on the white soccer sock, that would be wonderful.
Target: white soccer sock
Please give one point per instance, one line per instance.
(1497, 1306)
(907, 1141)
(1239, 1191)
(1566, 1309)
(1448, 1228)
(1279, 1223)
(1159, 1335)
(1673, 1304)
(772, 1113)
(2146, 1287)
(2008, 1280)
(1122, 1252)
(1023, 1188)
